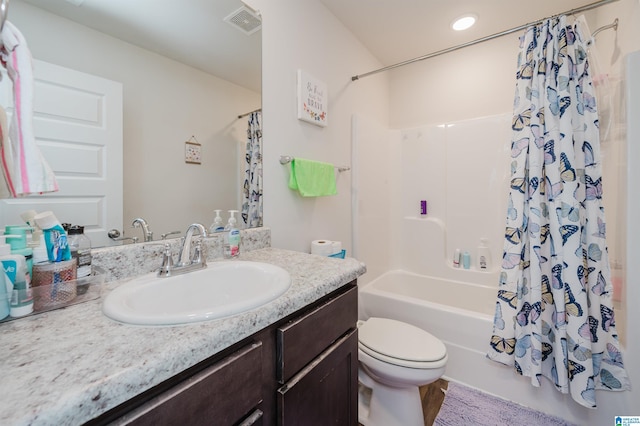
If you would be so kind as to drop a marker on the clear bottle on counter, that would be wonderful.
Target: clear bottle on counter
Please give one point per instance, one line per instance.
(231, 244)
(217, 225)
(80, 246)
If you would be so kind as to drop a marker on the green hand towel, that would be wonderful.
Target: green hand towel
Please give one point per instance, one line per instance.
(312, 178)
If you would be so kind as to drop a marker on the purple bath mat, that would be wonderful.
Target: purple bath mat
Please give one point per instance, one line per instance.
(466, 406)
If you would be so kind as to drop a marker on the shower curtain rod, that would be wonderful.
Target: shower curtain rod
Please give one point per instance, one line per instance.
(480, 40)
(250, 112)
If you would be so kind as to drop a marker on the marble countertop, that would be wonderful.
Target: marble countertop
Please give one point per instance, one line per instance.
(68, 366)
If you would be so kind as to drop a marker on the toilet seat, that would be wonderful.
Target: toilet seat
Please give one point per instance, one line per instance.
(401, 344)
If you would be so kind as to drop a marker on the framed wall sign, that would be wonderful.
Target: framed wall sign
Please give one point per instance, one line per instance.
(192, 152)
(312, 99)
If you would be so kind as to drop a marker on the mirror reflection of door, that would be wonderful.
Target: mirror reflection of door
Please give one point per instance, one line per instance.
(177, 84)
(78, 128)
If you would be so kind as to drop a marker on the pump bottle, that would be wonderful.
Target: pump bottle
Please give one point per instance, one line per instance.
(217, 225)
(232, 237)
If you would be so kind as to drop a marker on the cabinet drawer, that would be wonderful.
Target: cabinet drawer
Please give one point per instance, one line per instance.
(221, 394)
(304, 338)
(325, 392)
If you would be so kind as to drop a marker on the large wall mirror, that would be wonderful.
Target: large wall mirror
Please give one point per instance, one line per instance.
(186, 75)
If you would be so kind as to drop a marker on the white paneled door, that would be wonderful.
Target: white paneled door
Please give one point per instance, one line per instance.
(78, 127)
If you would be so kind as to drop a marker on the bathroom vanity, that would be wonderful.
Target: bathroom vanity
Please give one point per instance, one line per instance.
(300, 370)
(292, 361)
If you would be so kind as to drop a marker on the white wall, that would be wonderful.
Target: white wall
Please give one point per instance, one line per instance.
(473, 82)
(375, 159)
(165, 103)
(303, 34)
(462, 170)
(632, 354)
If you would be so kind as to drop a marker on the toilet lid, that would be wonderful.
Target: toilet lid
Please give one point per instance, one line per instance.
(399, 340)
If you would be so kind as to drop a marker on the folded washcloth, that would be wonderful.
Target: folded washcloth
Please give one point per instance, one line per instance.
(25, 169)
(312, 178)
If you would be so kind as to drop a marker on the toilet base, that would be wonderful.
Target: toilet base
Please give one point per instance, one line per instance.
(389, 406)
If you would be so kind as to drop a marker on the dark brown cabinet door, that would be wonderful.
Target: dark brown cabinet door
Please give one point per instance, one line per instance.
(325, 392)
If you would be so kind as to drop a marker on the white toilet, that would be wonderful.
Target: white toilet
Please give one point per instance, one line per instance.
(396, 358)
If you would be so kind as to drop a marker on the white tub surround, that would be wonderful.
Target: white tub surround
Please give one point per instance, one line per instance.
(71, 365)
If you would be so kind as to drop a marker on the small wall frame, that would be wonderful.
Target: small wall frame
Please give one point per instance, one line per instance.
(192, 153)
(312, 99)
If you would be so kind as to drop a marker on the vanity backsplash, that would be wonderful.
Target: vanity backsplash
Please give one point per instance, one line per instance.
(132, 260)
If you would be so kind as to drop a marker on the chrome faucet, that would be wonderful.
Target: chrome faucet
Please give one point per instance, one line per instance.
(141, 223)
(185, 252)
(186, 262)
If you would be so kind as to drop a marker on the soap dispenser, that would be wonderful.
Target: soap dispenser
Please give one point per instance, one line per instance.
(232, 237)
(217, 225)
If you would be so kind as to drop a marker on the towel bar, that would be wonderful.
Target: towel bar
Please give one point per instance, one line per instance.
(284, 159)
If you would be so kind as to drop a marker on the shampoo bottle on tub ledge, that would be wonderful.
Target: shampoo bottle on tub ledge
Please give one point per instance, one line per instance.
(484, 255)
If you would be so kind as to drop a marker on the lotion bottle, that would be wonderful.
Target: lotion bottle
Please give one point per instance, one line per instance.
(484, 255)
(231, 237)
(15, 269)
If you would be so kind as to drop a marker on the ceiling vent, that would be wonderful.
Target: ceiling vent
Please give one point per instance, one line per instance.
(244, 20)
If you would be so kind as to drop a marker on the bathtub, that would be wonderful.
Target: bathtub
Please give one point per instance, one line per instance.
(458, 313)
(461, 315)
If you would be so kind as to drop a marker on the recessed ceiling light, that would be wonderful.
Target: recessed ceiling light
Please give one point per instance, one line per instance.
(464, 22)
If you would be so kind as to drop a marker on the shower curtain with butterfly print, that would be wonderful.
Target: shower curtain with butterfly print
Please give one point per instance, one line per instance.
(554, 314)
(252, 186)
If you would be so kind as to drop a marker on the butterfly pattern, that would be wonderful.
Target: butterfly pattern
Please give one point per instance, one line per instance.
(554, 314)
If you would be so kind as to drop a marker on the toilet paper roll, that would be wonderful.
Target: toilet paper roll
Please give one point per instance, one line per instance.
(336, 247)
(322, 247)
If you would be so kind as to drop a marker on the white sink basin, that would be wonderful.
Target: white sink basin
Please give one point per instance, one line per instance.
(220, 290)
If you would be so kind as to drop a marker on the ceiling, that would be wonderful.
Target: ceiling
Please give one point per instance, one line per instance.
(398, 30)
(193, 31)
(189, 31)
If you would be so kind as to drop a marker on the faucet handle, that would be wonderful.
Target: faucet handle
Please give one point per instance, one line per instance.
(167, 258)
(198, 253)
(164, 236)
(167, 261)
(114, 234)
